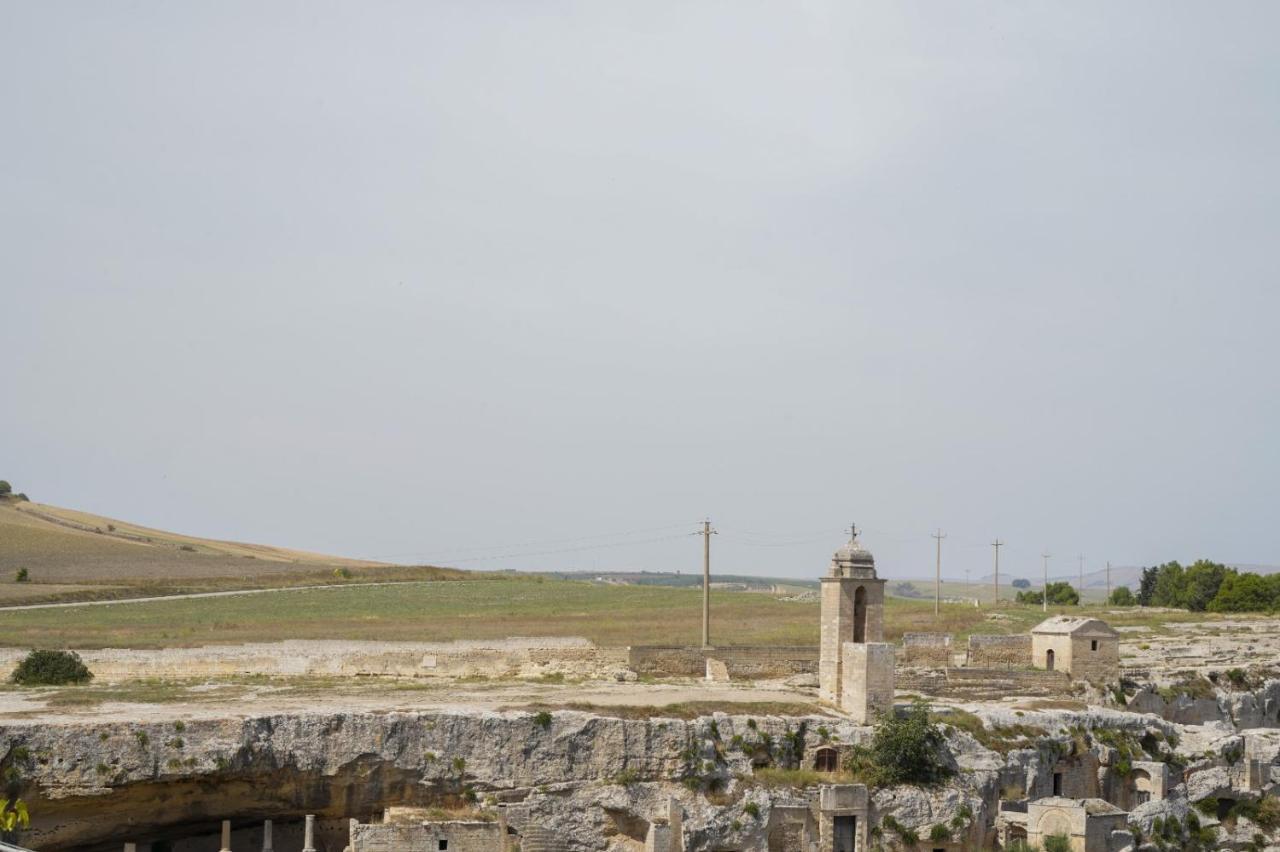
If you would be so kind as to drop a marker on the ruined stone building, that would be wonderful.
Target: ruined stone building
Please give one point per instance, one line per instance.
(855, 664)
(1084, 648)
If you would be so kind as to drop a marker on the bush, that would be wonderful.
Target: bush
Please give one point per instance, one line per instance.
(1060, 594)
(51, 668)
(1057, 843)
(1121, 596)
(22, 576)
(907, 749)
(5, 488)
(542, 719)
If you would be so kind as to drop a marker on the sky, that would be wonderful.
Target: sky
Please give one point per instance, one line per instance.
(543, 285)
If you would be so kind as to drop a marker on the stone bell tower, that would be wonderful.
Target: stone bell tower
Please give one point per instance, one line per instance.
(855, 664)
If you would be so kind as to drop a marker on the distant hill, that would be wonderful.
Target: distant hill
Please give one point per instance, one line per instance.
(59, 545)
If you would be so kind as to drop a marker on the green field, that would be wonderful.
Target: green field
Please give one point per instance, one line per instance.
(489, 608)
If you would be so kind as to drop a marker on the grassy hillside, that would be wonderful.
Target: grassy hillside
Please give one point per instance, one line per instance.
(70, 553)
(499, 606)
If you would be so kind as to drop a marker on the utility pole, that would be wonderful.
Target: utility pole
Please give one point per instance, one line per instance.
(1045, 594)
(706, 534)
(937, 575)
(1108, 581)
(1081, 558)
(996, 545)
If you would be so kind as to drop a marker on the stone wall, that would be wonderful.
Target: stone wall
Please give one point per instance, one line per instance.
(1100, 664)
(998, 651)
(460, 836)
(496, 658)
(932, 650)
(985, 682)
(743, 662)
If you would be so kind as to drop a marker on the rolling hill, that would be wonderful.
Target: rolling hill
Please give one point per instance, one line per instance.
(59, 545)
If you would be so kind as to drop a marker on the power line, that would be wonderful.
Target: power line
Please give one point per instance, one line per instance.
(706, 532)
(486, 547)
(996, 545)
(937, 575)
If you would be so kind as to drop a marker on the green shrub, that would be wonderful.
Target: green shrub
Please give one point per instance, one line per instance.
(51, 668)
(5, 488)
(1121, 596)
(542, 719)
(342, 573)
(1057, 843)
(752, 810)
(22, 576)
(907, 835)
(939, 833)
(906, 749)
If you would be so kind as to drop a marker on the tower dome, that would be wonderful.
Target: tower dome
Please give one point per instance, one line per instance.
(853, 559)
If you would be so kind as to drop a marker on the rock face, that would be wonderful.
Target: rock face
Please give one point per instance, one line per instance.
(601, 784)
(171, 775)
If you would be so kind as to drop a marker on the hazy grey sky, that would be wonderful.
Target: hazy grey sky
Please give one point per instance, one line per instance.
(409, 280)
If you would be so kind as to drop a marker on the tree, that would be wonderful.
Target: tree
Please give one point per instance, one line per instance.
(1060, 594)
(1243, 593)
(1147, 585)
(1021, 583)
(1121, 596)
(1063, 594)
(1200, 584)
(1170, 585)
(5, 488)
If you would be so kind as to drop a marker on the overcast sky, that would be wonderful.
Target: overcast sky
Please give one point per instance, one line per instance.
(470, 282)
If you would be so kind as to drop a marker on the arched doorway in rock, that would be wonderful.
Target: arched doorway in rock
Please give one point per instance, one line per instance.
(1048, 659)
(826, 760)
(860, 615)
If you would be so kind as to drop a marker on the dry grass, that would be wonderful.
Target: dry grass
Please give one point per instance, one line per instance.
(64, 546)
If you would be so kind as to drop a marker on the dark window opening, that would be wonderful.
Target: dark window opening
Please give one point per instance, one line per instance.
(444, 844)
(826, 760)
(860, 615)
(1093, 645)
(1057, 779)
(1048, 660)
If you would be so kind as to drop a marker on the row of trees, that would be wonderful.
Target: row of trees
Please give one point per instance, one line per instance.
(1060, 594)
(1211, 586)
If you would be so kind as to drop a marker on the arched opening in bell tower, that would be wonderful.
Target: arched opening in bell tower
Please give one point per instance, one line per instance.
(860, 615)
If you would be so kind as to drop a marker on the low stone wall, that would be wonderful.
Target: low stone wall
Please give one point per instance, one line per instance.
(998, 651)
(746, 661)
(463, 836)
(985, 682)
(498, 658)
(925, 649)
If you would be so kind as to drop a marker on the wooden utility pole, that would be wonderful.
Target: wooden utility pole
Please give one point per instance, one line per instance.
(1045, 594)
(1081, 558)
(706, 534)
(1108, 581)
(996, 545)
(937, 575)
